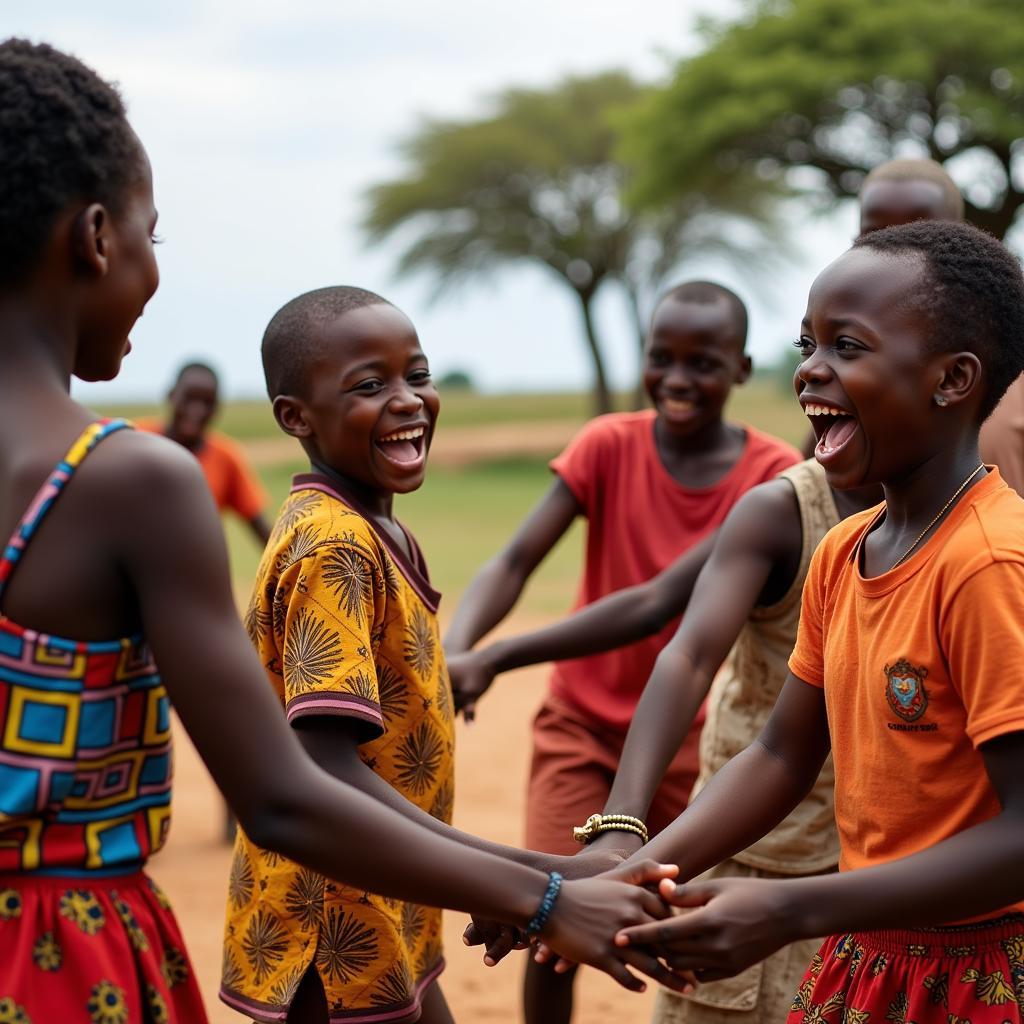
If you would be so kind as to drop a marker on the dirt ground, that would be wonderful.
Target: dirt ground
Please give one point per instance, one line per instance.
(491, 779)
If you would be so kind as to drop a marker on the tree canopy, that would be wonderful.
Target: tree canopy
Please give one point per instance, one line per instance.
(838, 86)
(537, 180)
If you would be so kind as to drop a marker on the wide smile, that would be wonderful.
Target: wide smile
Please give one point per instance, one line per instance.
(834, 428)
(676, 409)
(405, 448)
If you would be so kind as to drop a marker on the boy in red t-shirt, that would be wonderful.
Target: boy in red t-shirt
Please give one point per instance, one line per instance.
(650, 484)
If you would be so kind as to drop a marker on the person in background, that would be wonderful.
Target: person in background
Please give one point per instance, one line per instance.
(192, 405)
(651, 485)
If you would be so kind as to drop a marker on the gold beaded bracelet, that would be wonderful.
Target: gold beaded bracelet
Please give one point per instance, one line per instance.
(598, 823)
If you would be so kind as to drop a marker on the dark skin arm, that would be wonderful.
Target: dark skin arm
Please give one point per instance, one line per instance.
(751, 794)
(618, 619)
(749, 565)
(497, 586)
(333, 743)
(283, 800)
(741, 921)
(756, 789)
(260, 528)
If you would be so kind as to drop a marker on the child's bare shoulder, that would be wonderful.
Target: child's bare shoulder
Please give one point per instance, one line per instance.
(145, 473)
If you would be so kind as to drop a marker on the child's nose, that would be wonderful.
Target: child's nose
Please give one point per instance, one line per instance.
(814, 369)
(677, 377)
(406, 398)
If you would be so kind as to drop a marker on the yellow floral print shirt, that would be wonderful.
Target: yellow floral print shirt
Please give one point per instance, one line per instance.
(345, 624)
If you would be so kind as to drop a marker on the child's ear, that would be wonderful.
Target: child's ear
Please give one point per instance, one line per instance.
(290, 413)
(961, 377)
(90, 239)
(745, 370)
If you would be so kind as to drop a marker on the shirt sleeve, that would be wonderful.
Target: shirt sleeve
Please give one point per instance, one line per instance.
(246, 495)
(333, 602)
(983, 642)
(580, 464)
(807, 661)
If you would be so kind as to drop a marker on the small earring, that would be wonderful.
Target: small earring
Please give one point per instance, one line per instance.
(941, 400)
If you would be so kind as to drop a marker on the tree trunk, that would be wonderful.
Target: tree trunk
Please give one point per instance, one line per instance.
(639, 396)
(602, 396)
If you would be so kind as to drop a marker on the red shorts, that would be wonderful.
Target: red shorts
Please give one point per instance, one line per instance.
(973, 974)
(574, 763)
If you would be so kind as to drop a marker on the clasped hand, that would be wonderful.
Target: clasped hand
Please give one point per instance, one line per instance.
(732, 923)
(590, 912)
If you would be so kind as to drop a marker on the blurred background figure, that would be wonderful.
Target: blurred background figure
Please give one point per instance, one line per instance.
(192, 405)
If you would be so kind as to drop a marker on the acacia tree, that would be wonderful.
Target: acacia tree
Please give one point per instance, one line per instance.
(537, 180)
(837, 86)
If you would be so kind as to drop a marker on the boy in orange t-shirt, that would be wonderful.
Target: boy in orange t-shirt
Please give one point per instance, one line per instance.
(193, 403)
(651, 485)
(909, 664)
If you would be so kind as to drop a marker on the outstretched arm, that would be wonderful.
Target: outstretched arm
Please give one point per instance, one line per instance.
(620, 618)
(260, 528)
(283, 800)
(741, 921)
(751, 563)
(497, 586)
(755, 790)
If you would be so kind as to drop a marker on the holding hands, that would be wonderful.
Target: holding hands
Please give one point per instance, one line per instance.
(587, 917)
(732, 923)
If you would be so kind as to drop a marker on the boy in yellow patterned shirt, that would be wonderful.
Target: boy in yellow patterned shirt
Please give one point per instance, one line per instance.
(344, 618)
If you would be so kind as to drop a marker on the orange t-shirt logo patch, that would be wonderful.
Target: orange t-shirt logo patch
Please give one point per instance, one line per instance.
(904, 690)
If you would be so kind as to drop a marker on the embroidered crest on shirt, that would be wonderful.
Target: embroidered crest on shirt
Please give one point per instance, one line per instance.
(904, 690)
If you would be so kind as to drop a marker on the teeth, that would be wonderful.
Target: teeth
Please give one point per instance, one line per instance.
(404, 435)
(822, 410)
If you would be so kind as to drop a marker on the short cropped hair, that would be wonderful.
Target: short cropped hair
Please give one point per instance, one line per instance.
(63, 137)
(197, 366)
(707, 293)
(972, 296)
(289, 347)
(920, 170)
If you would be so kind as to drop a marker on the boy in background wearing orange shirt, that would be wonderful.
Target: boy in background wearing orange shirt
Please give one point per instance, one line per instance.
(651, 484)
(909, 664)
(193, 402)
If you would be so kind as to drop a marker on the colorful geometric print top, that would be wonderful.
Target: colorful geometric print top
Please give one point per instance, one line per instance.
(345, 624)
(85, 732)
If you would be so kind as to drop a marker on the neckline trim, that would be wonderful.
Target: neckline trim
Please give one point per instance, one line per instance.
(414, 570)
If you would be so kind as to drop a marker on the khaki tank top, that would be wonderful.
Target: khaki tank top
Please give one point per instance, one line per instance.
(747, 686)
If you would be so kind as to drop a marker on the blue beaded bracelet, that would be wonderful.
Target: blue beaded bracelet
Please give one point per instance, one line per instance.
(547, 904)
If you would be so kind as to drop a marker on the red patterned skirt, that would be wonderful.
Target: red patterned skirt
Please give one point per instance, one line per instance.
(973, 974)
(102, 950)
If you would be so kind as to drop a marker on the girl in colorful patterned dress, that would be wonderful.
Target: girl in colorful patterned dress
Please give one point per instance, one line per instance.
(113, 535)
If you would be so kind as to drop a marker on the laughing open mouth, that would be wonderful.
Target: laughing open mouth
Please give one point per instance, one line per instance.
(832, 426)
(403, 446)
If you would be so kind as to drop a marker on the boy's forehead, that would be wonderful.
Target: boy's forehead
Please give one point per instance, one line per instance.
(709, 320)
(367, 334)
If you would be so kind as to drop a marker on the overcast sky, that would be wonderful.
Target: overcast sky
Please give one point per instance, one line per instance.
(265, 123)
